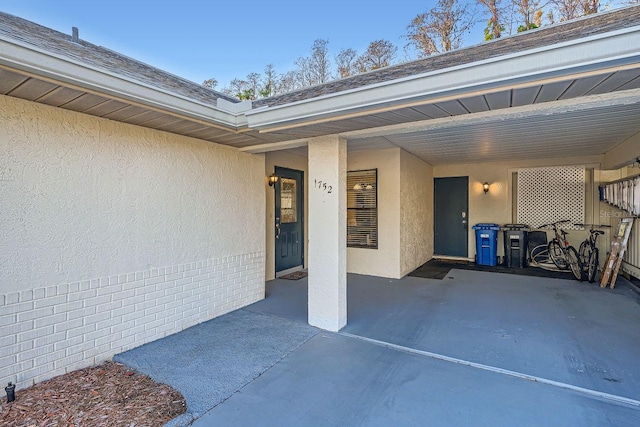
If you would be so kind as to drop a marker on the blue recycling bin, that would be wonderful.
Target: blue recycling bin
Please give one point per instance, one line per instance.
(487, 244)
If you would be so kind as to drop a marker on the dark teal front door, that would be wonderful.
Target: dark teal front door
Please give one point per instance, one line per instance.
(451, 208)
(289, 216)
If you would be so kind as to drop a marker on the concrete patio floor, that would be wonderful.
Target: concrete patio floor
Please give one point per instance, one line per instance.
(475, 348)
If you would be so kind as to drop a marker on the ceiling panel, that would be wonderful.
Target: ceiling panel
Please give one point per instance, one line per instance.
(475, 104)
(145, 116)
(125, 113)
(582, 86)
(10, 80)
(453, 108)
(84, 102)
(32, 89)
(105, 108)
(410, 114)
(614, 81)
(552, 91)
(524, 96)
(499, 99)
(432, 111)
(60, 95)
(633, 84)
(162, 121)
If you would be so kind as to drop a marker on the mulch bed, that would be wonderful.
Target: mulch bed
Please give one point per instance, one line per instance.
(107, 395)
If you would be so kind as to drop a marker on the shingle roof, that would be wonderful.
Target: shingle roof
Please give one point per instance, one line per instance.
(102, 58)
(545, 36)
(108, 60)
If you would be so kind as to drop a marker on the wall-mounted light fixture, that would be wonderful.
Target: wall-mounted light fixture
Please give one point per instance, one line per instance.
(485, 187)
(273, 178)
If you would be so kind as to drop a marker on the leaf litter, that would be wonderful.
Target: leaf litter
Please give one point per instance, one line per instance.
(107, 395)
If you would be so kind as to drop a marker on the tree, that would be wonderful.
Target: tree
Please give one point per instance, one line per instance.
(269, 82)
(316, 68)
(593, 6)
(241, 89)
(210, 83)
(495, 26)
(346, 62)
(441, 29)
(379, 54)
(530, 14)
(569, 9)
(288, 82)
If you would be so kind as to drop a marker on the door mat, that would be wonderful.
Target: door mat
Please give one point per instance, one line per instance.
(295, 275)
(438, 269)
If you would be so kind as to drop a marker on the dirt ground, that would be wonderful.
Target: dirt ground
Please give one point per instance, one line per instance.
(107, 395)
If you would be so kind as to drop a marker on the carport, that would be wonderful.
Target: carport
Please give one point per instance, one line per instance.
(560, 97)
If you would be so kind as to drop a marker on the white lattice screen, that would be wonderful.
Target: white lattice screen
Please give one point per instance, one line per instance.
(547, 195)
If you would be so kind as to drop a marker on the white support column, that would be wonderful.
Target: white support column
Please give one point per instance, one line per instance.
(328, 233)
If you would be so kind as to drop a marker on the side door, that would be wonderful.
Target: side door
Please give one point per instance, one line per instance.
(451, 208)
(289, 215)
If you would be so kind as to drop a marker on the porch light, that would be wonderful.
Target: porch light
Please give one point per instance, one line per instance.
(485, 187)
(273, 178)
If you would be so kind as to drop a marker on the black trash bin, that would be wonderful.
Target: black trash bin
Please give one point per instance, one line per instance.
(515, 245)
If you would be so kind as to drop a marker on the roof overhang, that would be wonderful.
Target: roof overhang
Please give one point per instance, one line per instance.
(48, 66)
(580, 58)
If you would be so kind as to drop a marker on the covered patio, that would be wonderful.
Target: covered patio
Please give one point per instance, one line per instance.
(474, 347)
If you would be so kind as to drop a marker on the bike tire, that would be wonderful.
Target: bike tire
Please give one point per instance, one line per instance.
(584, 252)
(557, 255)
(540, 253)
(592, 268)
(573, 259)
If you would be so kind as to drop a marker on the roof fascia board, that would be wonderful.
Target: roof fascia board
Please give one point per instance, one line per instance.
(40, 63)
(616, 48)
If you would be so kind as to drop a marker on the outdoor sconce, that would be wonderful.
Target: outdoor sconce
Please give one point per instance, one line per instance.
(273, 178)
(485, 187)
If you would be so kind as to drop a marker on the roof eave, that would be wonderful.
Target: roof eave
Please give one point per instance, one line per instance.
(63, 70)
(616, 50)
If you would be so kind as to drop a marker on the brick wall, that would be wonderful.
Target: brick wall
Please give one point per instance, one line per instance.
(53, 330)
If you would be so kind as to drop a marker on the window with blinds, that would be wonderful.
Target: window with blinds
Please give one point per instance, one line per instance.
(362, 209)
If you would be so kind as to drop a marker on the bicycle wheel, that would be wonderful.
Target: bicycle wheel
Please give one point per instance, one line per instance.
(592, 268)
(540, 253)
(584, 252)
(573, 259)
(557, 255)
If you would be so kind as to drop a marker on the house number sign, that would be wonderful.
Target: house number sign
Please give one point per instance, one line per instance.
(323, 186)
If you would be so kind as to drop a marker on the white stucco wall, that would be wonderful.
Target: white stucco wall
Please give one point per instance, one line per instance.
(384, 261)
(496, 205)
(291, 161)
(114, 235)
(416, 212)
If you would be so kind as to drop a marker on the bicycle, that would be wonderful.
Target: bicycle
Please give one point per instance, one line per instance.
(588, 250)
(562, 254)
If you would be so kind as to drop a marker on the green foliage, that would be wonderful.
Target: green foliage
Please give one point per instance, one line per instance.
(522, 28)
(488, 31)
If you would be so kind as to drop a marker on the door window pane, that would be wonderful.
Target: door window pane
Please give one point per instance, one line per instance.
(288, 200)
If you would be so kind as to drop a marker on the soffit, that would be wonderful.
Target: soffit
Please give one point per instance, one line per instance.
(22, 85)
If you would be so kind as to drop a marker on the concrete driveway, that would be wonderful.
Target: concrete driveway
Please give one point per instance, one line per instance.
(475, 348)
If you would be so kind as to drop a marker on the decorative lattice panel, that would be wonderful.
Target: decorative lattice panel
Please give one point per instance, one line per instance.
(547, 195)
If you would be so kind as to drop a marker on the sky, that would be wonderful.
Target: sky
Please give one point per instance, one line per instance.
(199, 39)
(202, 39)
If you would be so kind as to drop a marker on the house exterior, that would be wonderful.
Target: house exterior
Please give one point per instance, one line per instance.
(136, 204)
